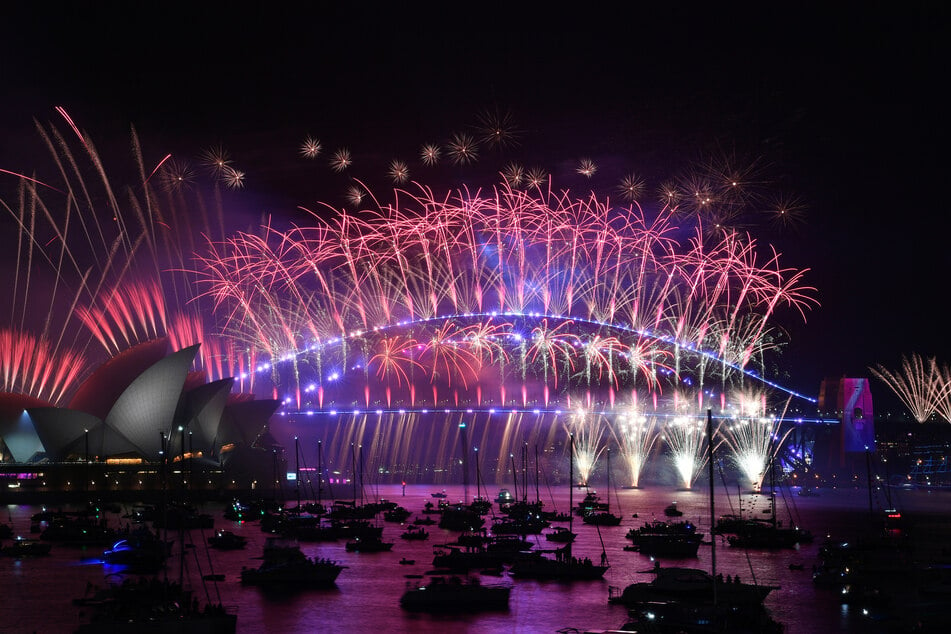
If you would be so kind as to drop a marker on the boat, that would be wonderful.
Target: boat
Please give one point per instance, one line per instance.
(142, 553)
(460, 518)
(284, 564)
(666, 539)
(153, 606)
(424, 521)
(560, 535)
(563, 566)
(414, 533)
(25, 547)
(407, 562)
(227, 540)
(767, 533)
(397, 515)
(693, 585)
(669, 545)
(439, 494)
(368, 545)
(79, 531)
(589, 504)
(671, 510)
(693, 618)
(455, 594)
(601, 515)
(462, 559)
(759, 534)
(533, 525)
(504, 498)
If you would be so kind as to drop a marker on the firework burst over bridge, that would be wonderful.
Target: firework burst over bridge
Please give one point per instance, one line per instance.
(518, 299)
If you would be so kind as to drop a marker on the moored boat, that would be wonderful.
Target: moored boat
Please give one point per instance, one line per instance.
(152, 607)
(23, 547)
(283, 563)
(227, 540)
(689, 584)
(456, 594)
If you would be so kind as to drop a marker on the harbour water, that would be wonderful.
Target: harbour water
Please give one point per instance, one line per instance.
(38, 592)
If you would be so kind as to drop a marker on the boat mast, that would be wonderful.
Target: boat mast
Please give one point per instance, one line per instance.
(320, 486)
(514, 474)
(353, 461)
(525, 472)
(538, 498)
(571, 484)
(465, 465)
(297, 469)
(478, 475)
(713, 517)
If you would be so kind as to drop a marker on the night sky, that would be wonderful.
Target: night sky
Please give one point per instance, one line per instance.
(843, 107)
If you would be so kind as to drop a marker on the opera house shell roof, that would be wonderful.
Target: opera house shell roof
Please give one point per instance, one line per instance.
(137, 404)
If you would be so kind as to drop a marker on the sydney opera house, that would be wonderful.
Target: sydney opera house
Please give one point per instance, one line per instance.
(140, 420)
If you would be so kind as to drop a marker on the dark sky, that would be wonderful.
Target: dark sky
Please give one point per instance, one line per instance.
(845, 105)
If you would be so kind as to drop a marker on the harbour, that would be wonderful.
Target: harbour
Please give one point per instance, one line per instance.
(366, 595)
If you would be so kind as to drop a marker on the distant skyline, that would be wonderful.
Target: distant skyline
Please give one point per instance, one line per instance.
(838, 107)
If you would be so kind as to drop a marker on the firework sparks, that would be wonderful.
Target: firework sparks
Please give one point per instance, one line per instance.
(430, 154)
(176, 175)
(398, 172)
(685, 442)
(498, 129)
(753, 442)
(341, 160)
(514, 174)
(216, 160)
(588, 429)
(310, 148)
(919, 384)
(636, 435)
(536, 177)
(232, 178)
(632, 187)
(462, 149)
(586, 167)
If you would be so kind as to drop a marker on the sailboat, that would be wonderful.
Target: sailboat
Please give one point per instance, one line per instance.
(563, 566)
(604, 517)
(756, 533)
(694, 600)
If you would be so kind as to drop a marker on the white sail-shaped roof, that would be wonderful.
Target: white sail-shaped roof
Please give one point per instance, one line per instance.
(146, 409)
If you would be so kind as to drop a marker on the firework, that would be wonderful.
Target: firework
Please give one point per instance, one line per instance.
(232, 178)
(505, 300)
(310, 148)
(636, 434)
(685, 436)
(341, 160)
(498, 130)
(632, 187)
(430, 154)
(398, 172)
(586, 167)
(919, 384)
(462, 149)
(588, 429)
(438, 272)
